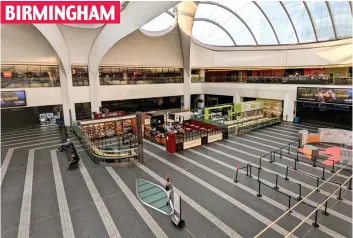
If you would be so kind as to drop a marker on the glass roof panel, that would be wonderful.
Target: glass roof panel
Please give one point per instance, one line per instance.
(280, 22)
(321, 19)
(228, 20)
(342, 16)
(160, 23)
(301, 20)
(254, 18)
(210, 34)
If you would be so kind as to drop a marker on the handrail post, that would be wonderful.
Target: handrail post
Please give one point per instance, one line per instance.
(323, 173)
(286, 178)
(276, 187)
(315, 221)
(300, 192)
(236, 176)
(259, 192)
(340, 194)
(325, 213)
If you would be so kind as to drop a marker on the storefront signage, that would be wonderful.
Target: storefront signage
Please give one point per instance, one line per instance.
(7, 74)
(73, 12)
(325, 95)
(192, 143)
(13, 99)
(214, 138)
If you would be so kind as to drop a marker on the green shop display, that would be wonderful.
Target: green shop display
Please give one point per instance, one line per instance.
(218, 109)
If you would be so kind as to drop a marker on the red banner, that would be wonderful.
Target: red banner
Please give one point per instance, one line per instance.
(49, 12)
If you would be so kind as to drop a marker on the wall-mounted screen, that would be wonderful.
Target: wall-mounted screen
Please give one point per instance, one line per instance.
(325, 95)
(13, 99)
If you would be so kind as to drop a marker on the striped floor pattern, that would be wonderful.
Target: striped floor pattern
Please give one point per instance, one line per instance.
(41, 198)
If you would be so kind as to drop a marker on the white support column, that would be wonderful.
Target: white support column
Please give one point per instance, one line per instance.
(66, 90)
(185, 17)
(94, 86)
(236, 97)
(288, 108)
(201, 104)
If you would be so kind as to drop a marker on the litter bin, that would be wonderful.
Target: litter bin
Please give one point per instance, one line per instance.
(296, 120)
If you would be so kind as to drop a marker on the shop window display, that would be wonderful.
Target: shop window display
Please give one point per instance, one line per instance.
(80, 76)
(24, 76)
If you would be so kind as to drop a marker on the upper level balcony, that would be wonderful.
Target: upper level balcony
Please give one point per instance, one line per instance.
(319, 80)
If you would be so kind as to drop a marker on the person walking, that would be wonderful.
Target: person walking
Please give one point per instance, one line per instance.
(169, 189)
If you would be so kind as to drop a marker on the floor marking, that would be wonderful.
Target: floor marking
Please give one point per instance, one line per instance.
(295, 129)
(41, 129)
(21, 143)
(220, 193)
(6, 138)
(307, 165)
(6, 163)
(339, 215)
(270, 131)
(25, 217)
(98, 201)
(152, 224)
(209, 216)
(66, 223)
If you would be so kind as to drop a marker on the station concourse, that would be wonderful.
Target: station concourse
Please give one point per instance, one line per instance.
(245, 107)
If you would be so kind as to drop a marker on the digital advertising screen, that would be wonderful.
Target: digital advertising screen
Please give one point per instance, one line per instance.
(325, 95)
(13, 99)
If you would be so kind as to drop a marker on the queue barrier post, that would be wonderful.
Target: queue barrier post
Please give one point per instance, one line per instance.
(286, 178)
(333, 167)
(276, 186)
(271, 158)
(247, 170)
(250, 168)
(317, 184)
(324, 212)
(314, 165)
(289, 148)
(323, 173)
(280, 153)
(340, 194)
(289, 204)
(260, 163)
(259, 191)
(236, 176)
(350, 185)
(300, 192)
(295, 165)
(297, 156)
(315, 222)
(258, 174)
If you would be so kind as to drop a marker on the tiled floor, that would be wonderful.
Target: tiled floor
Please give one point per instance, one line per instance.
(40, 198)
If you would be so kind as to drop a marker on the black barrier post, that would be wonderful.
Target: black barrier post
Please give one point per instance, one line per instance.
(315, 222)
(250, 168)
(325, 213)
(333, 167)
(317, 184)
(295, 165)
(314, 165)
(339, 195)
(271, 158)
(286, 178)
(247, 170)
(259, 192)
(323, 173)
(260, 163)
(280, 153)
(288, 148)
(300, 192)
(258, 175)
(236, 176)
(276, 187)
(289, 205)
(350, 185)
(297, 157)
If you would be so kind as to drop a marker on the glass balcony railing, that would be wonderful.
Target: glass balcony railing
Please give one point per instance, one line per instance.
(122, 81)
(277, 80)
(29, 82)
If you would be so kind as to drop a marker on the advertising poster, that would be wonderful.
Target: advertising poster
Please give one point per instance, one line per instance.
(325, 95)
(13, 99)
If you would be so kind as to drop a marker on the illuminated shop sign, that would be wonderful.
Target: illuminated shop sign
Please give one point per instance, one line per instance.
(325, 95)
